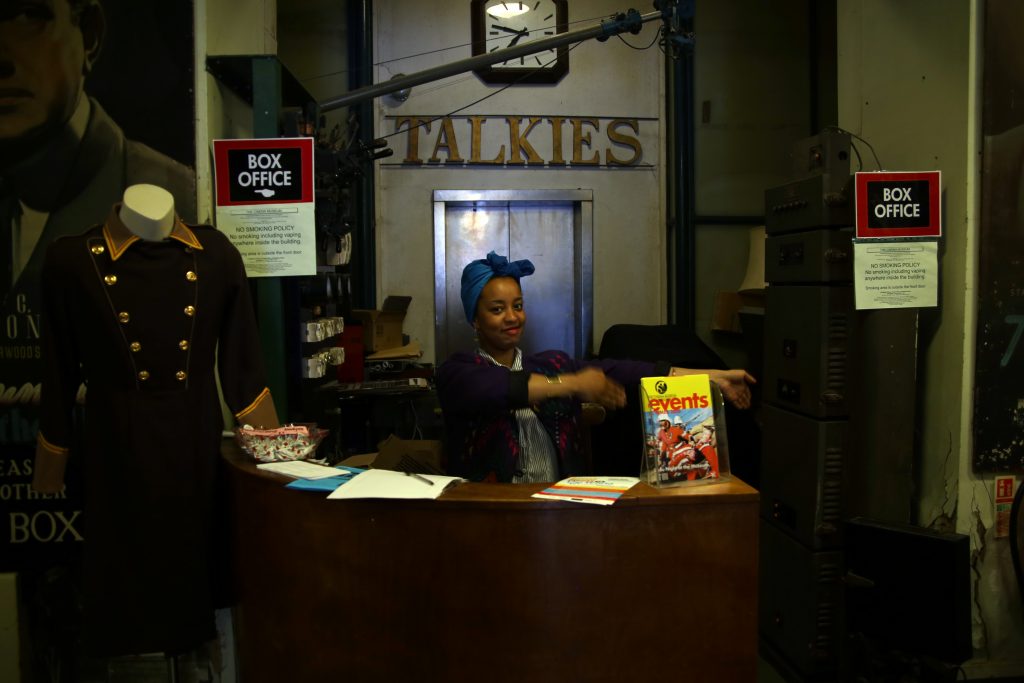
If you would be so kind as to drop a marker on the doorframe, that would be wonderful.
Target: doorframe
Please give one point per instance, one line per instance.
(583, 237)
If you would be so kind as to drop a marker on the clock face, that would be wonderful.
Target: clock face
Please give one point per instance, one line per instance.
(500, 24)
(536, 20)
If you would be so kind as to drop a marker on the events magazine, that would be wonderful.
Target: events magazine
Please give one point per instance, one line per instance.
(684, 431)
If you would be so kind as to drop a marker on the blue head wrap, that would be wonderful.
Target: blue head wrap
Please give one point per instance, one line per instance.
(479, 273)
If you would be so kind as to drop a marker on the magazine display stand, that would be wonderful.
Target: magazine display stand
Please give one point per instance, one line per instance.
(685, 441)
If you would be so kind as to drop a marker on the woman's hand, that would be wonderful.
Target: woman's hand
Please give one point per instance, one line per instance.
(591, 384)
(734, 385)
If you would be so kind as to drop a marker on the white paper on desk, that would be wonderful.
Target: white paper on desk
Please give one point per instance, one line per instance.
(389, 484)
(301, 469)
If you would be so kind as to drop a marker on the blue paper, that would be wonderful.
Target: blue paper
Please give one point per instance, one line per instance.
(327, 484)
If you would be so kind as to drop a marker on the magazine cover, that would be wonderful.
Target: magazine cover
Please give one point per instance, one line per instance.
(684, 431)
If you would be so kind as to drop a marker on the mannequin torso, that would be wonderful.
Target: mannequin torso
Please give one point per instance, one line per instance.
(148, 211)
(139, 319)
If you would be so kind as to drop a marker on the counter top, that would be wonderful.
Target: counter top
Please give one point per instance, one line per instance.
(734, 489)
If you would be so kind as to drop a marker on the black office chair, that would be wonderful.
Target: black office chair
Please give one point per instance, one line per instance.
(617, 442)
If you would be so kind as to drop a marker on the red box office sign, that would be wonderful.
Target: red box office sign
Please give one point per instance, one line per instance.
(263, 171)
(898, 204)
(265, 203)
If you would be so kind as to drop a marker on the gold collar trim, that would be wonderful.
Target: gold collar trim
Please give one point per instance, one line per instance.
(119, 238)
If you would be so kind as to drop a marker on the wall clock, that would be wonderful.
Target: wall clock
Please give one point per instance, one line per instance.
(498, 24)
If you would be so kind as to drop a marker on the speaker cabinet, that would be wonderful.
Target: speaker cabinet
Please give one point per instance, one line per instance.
(813, 257)
(803, 464)
(808, 337)
(801, 610)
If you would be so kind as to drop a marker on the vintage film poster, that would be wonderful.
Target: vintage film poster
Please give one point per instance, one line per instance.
(681, 433)
(999, 356)
(117, 112)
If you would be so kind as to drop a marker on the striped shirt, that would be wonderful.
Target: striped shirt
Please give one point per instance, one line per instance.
(537, 459)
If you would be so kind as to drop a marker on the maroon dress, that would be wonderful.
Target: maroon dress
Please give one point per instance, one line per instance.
(141, 323)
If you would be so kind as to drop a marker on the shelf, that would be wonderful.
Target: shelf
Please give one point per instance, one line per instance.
(236, 72)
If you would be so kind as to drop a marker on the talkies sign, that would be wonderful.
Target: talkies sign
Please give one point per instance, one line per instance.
(521, 140)
(898, 204)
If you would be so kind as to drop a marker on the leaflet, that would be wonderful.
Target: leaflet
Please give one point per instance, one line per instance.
(593, 490)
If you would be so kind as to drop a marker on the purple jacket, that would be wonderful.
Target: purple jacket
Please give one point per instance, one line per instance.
(478, 399)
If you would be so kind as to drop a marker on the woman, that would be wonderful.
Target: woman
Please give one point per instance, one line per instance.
(510, 417)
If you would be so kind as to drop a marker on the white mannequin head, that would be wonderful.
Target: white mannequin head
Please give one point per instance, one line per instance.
(148, 211)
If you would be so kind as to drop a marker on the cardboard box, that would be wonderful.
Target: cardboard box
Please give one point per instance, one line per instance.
(383, 329)
(401, 455)
(725, 312)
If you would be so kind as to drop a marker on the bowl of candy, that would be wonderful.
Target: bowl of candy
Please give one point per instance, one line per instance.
(291, 442)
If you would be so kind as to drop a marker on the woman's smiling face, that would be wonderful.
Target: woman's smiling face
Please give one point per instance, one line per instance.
(500, 316)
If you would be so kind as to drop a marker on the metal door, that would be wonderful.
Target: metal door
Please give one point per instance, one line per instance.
(551, 228)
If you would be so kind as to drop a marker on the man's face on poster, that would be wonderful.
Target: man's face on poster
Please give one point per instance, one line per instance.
(46, 47)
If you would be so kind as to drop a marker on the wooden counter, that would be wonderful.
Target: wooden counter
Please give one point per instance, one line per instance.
(489, 584)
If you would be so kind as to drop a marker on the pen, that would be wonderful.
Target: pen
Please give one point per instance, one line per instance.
(416, 476)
